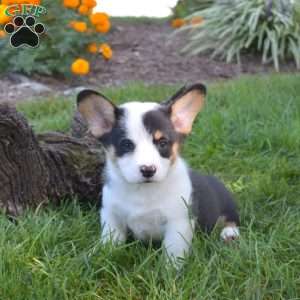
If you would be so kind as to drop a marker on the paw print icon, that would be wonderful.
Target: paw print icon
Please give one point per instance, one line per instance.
(24, 32)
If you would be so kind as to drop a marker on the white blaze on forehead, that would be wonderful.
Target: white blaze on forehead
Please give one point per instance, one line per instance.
(145, 152)
(134, 112)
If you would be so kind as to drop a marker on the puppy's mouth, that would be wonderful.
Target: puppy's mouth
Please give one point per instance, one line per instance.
(151, 180)
(148, 180)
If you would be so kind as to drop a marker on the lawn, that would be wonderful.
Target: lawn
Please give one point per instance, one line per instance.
(249, 136)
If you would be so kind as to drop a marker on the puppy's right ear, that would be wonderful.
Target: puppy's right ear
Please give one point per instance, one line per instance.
(97, 110)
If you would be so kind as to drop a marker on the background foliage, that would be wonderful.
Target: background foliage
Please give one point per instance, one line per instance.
(187, 7)
(59, 46)
(268, 27)
(248, 136)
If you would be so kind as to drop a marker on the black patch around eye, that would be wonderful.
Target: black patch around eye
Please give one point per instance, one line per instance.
(115, 137)
(159, 120)
(126, 146)
(164, 147)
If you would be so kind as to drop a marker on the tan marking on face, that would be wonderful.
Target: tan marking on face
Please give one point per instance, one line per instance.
(175, 150)
(158, 135)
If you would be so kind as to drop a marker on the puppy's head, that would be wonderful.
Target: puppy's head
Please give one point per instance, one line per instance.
(142, 139)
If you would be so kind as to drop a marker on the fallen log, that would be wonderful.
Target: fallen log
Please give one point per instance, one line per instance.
(43, 168)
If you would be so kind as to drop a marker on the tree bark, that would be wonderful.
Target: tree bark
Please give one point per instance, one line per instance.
(43, 168)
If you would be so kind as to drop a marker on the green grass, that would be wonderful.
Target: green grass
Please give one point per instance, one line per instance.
(249, 136)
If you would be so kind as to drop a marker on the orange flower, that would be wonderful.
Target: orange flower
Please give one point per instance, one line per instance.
(98, 18)
(9, 2)
(89, 3)
(83, 10)
(3, 17)
(101, 22)
(197, 20)
(177, 23)
(103, 27)
(71, 3)
(78, 26)
(2, 34)
(106, 51)
(92, 48)
(80, 67)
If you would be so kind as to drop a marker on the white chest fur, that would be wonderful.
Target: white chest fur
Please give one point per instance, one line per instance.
(147, 209)
(148, 225)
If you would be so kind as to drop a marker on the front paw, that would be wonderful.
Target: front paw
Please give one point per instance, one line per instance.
(174, 262)
(176, 252)
(114, 237)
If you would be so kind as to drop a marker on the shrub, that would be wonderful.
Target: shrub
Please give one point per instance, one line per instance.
(269, 27)
(73, 37)
(186, 7)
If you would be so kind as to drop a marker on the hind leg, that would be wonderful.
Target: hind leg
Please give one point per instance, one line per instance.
(230, 232)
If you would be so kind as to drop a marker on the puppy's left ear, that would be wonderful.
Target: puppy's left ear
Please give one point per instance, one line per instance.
(185, 105)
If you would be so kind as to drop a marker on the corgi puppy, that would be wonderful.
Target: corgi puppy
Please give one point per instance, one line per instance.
(148, 190)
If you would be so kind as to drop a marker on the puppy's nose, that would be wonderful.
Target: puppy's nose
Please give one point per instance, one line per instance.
(148, 171)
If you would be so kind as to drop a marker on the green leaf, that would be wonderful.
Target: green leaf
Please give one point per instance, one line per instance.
(227, 31)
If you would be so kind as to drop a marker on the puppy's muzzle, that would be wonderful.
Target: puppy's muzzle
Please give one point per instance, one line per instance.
(148, 171)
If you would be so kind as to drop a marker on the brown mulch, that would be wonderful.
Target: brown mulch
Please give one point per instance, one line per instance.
(144, 52)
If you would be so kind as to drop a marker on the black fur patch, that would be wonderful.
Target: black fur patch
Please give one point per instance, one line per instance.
(116, 135)
(211, 200)
(159, 120)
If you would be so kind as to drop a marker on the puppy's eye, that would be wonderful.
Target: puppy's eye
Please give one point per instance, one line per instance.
(163, 143)
(127, 145)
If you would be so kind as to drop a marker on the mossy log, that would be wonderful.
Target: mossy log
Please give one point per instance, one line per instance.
(43, 168)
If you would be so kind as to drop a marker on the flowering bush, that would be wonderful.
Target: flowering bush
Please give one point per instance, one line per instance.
(177, 22)
(74, 36)
(230, 27)
(184, 8)
(187, 7)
